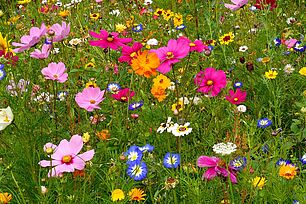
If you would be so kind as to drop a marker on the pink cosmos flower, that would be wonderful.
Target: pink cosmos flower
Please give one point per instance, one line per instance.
(27, 41)
(216, 167)
(60, 31)
(210, 81)
(108, 40)
(55, 72)
(197, 45)
(290, 43)
(123, 95)
(128, 53)
(236, 97)
(43, 54)
(175, 50)
(237, 4)
(90, 98)
(66, 157)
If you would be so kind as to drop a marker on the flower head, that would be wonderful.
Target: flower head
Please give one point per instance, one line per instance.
(117, 194)
(259, 182)
(264, 123)
(2, 73)
(6, 117)
(134, 155)
(145, 63)
(43, 54)
(113, 87)
(5, 198)
(137, 194)
(288, 171)
(90, 98)
(146, 148)
(238, 163)
(281, 162)
(224, 148)
(210, 81)
(181, 130)
(137, 171)
(303, 71)
(236, 97)
(237, 4)
(55, 72)
(66, 158)
(135, 105)
(162, 81)
(50, 148)
(165, 126)
(303, 159)
(271, 74)
(108, 40)
(123, 95)
(226, 38)
(129, 53)
(172, 160)
(60, 31)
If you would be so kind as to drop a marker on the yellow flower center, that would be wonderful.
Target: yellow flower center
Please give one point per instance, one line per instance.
(209, 82)
(133, 54)
(192, 44)
(235, 99)
(110, 38)
(170, 55)
(49, 150)
(92, 101)
(66, 159)
(123, 98)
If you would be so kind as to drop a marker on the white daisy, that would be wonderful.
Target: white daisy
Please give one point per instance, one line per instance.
(165, 126)
(181, 130)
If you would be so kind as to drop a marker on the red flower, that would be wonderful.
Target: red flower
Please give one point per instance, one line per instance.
(261, 4)
(236, 97)
(108, 40)
(124, 95)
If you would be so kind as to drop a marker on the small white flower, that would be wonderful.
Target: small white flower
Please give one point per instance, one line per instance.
(172, 86)
(243, 48)
(6, 117)
(59, 3)
(152, 42)
(196, 100)
(115, 12)
(67, 6)
(181, 130)
(224, 148)
(253, 30)
(291, 20)
(44, 190)
(241, 108)
(147, 2)
(288, 69)
(237, 27)
(165, 126)
(253, 8)
(55, 50)
(184, 100)
(75, 41)
(43, 97)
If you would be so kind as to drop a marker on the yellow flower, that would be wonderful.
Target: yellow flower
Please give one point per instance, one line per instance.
(226, 38)
(5, 198)
(189, 17)
(12, 20)
(178, 20)
(64, 13)
(167, 14)
(117, 194)
(137, 194)
(179, 106)
(159, 93)
(91, 84)
(90, 65)
(129, 22)
(271, 74)
(161, 81)
(259, 182)
(1, 13)
(94, 16)
(23, 2)
(303, 71)
(158, 12)
(4, 44)
(265, 60)
(86, 137)
(120, 27)
(287, 171)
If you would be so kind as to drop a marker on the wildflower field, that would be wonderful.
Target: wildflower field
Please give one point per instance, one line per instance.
(152, 101)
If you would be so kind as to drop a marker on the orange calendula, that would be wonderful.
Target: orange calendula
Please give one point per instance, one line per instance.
(287, 171)
(145, 63)
(159, 93)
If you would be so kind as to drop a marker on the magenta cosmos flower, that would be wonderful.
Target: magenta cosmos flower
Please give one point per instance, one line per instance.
(66, 157)
(216, 167)
(128, 53)
(123, 95)
(236, 97)
(55, 72)
(210, 81)
(108, 40)
(44, 53)
(90, 98)
(175, 50)
(197, 45)
(60, 31)
(27, 41)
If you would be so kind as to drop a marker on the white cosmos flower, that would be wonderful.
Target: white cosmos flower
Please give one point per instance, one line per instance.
(181, 130)
(224, 148)
(241, 108)
(6, 117)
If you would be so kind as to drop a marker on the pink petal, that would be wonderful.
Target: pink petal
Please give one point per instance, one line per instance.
(86, 156)
(205, 161)
(209, 174)
(76, 144)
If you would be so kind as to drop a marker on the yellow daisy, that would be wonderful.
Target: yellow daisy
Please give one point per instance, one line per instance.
(227, 38)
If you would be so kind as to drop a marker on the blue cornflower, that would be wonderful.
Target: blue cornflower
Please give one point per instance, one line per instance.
(135, 105)
(137, 28)
(137, 171)
(281, 162)
(62, 95)
(2, 74)
(277, 42)
(1, 66)
(238, 163)
(147, 148)
(238, 84)
(265, 148)
(210, 47)
(264, 123)
(113, 87)
(298, 47)
(172, 160)
(303, 159)
(180, 27)
(134, 155)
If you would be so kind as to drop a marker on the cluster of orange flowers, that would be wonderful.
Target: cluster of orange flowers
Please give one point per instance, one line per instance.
(145, 63)
(160, 84)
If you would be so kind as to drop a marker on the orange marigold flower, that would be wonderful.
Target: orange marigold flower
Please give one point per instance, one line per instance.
(145, 63)
(137, 194)
(287, 171)
(103, 135)
(5, 198)
(162, 81)
(159, 93)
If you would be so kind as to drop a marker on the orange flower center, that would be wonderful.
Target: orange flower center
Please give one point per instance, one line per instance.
(55, 76)
(235, 99)
(92, 101)
(66, 159)
(123, 98)
(110, 38)
(170, 55)
(209, 82)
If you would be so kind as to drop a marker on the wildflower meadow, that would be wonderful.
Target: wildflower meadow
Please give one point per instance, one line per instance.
(153, 101)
